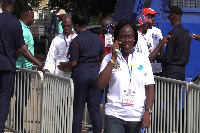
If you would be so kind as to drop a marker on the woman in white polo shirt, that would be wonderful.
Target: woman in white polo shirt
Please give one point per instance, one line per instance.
(131, 83)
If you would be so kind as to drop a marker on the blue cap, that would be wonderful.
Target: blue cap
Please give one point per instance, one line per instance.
(9, 1)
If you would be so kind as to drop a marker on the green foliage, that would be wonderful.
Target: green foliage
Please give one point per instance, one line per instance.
(60, 4)
(18, 5)
(96, 20)
(96, 9)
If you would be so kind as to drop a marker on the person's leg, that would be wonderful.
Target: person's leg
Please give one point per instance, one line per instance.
(7, 80)
(80, 94)
(114, 125)
(93, 100)
(132, 127)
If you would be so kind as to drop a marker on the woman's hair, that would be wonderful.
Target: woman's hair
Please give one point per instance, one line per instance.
(121, 24)
(79, 18)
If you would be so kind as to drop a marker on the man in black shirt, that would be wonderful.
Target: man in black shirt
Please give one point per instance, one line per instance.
(177, 51)
(175, 57)
(11, 43)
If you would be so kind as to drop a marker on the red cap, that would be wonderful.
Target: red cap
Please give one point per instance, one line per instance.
(146, 11)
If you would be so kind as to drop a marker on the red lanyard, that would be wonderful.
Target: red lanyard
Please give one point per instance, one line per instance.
(141, 34)
(66, 45)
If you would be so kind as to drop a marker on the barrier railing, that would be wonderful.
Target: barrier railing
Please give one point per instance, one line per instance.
(170, 106)
(44, 103)
(193, 121)
(37, 101)
(57, 109)
(24, 111)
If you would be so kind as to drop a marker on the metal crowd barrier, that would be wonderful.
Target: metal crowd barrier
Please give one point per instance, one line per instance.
(176, 107)
(57, 109)
(193, 122)
(170, 107)
(25, 104)
(37, 101)
(44, 103)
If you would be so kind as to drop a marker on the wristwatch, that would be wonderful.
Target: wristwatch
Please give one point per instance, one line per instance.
(149, 110)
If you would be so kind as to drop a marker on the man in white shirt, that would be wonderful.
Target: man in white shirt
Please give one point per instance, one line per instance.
(58, 51)
(142, 23)
(153, 36)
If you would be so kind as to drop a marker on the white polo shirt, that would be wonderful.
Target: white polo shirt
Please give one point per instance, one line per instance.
(120, 78)
(142, 45)
(58, 53)
(155, 35)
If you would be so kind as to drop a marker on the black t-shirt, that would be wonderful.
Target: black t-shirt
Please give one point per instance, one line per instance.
(90, 48)
(177, 52)
(11, 38)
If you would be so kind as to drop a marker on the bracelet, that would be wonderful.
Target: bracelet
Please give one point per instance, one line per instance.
(112, 61)
(193, 36)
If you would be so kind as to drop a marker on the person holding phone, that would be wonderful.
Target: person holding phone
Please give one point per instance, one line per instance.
(131, 83)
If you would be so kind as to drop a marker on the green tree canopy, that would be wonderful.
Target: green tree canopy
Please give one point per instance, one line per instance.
(18, 5)
(94, 8)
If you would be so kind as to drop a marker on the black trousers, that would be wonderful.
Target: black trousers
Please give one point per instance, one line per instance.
(86, 90)
(7, 80)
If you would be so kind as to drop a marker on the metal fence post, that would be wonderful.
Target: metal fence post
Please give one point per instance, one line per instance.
(188, 109)
(42, 100)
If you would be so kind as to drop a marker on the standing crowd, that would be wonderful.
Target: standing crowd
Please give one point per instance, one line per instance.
(125, 66)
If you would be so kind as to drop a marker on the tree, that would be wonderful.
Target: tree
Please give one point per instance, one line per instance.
(94, 8)
(18, 5)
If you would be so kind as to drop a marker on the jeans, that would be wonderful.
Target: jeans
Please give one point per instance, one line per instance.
(116, 125)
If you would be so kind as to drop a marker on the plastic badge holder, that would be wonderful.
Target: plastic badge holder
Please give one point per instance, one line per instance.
(108, 40)
(108, 37)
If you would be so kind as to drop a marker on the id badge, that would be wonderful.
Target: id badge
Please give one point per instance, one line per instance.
(108, 40)
(128, 96)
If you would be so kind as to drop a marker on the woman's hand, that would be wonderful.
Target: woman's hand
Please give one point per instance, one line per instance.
(62, 65)
(114, 47)
(146, 119)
